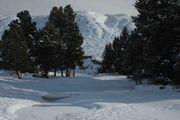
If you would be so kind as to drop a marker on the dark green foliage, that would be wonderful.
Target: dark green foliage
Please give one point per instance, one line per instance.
(17, 46)
(156, 23)
(62, 38)
(57, 19)
(152, 49)
(120, 48)
(115, 54)
(15, 55)
(73, 40)
(46, 56)
(30, 33)
(56, 47)
(29, 29)
(134, 56)
(108, 59)
(176, 76)
(176, 51)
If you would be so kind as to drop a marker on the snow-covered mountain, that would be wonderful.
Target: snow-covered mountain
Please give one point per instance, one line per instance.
(97, 29)
(4, 20)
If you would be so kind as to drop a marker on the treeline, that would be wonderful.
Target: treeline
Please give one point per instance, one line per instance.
(152, 50)
(57, 46)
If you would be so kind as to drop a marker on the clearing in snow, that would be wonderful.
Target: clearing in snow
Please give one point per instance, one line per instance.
(85, 97)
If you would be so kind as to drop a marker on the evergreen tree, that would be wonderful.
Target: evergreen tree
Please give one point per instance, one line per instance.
(28, 27)
(15, 55)
(117, 54)
(73, 41)
(56, 18)
(134, 60)
(46, 49)
(5, 45)
(124, 40)
(108, 59)
(176, 51)
(61, 41)
(134, 55)
(176, 71)
(30, 32)
(155, 23)
(120, 47)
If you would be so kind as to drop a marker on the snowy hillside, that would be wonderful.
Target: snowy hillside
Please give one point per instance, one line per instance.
(97, 29)
(4, 20)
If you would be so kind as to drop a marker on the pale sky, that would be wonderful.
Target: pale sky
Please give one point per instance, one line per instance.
(43, 7)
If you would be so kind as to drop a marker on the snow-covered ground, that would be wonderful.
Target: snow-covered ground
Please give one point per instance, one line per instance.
(89, 97)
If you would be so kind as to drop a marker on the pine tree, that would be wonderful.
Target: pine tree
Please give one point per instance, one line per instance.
(134, 59)
(134, 54)
(5, 45)
(30, 32)
(61, 41)
(15, 55)
(108, 59)
(124, 40)
(46, 49)
(28, 27)
(117, 54)
(176, 50)
(155, 23)
(120, 47)
(176, 71)
(73, 40)
(56, 18)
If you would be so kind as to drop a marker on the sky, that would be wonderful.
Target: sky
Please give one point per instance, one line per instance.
(43, 7)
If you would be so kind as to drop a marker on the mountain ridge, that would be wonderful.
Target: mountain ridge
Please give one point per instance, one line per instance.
(97, 29)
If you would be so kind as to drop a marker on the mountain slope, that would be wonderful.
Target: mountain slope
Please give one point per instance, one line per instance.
(97, 29)
(4, 20)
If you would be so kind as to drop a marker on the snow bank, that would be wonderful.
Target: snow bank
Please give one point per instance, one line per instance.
(8, 107)
(88, 97)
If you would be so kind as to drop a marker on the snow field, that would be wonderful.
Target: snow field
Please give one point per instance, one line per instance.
(92, 97)
(8, 107)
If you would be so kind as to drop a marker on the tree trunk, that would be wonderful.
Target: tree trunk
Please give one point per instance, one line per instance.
(62, 73)
(67, 72)
(73, 72)
(18, 73)
(45, 74)
(136, 82)
(140, 82)
(55, 71)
